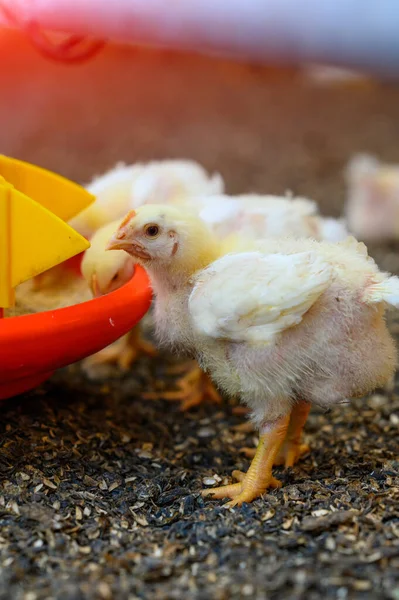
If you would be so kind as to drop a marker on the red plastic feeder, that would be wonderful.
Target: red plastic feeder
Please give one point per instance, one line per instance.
(33, 346)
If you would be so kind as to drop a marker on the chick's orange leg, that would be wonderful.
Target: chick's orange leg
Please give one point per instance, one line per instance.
(259, 475)
(292, 449)
(194, 388)
(179, 368)
(136, 342)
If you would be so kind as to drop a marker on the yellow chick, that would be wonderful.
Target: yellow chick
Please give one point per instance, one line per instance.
(281, 323)
(127, 186)
(105, 272)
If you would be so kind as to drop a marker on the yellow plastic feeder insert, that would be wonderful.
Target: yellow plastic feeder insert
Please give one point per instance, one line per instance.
(34, 237)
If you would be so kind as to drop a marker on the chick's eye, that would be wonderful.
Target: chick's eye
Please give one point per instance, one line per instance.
(115, 277)
(151, 230)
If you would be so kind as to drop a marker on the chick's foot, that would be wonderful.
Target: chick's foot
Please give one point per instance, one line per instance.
(123, 353)
(193, 389)
(259, 476)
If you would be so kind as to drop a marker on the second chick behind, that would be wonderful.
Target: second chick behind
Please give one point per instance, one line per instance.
(105, 273)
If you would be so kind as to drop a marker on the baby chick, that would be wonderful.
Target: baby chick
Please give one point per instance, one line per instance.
(105, 272)
(260, 216)
(127, 186)
(255, 216)
(372, 206)
(283, 324)
(168, 181)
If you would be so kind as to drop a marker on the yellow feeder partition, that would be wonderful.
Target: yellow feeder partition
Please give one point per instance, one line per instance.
(59, 195)
(33, 234)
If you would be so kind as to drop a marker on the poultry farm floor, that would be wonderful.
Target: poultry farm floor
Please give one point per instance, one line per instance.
(99, 489)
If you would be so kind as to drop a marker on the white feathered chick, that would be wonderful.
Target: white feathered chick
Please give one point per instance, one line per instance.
(129, 186)
(168, 181)
(372, 207)
(105, 272)
(259, 216)
(282, 323)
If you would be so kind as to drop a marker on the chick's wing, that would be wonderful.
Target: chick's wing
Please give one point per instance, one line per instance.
(251, 297)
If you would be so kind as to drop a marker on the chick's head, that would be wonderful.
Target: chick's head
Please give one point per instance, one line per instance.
(105, 271)
(166, 237)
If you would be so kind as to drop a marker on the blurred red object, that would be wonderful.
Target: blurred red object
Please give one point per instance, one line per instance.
(74, 49)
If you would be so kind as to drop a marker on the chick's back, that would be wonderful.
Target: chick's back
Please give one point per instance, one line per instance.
(339, 349)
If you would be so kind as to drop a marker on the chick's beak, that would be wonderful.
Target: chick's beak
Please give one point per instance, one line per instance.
(119, 241)
(124, 239)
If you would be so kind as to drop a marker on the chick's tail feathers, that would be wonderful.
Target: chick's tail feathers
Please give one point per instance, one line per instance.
(386, 290)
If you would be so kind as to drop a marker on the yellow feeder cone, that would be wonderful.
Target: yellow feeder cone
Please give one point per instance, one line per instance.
(32, 240)
(59, 195)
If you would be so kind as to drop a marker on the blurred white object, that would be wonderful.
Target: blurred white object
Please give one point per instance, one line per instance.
(372, 207)
(185, 182)
(126, 187)
(162, 182)
(332, 230)
(350, 33)
(260, 216)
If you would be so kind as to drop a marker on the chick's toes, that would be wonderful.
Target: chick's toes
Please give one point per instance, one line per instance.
(245, 490)
(124, 352)
(259, 475)
(194, 388)
(117, 353)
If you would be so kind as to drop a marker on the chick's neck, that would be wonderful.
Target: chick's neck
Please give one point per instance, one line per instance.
(176, 274)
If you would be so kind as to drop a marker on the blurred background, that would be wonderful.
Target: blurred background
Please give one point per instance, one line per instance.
(266, 128)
